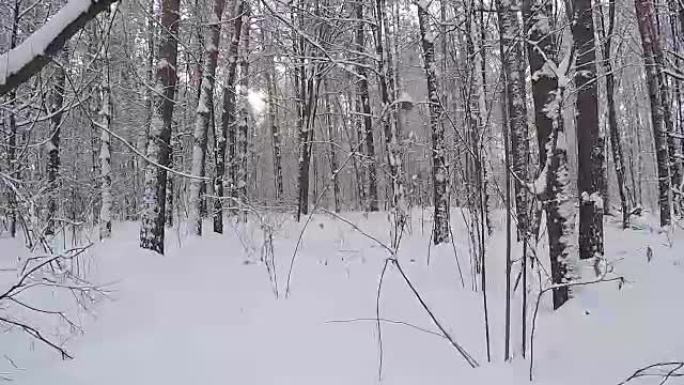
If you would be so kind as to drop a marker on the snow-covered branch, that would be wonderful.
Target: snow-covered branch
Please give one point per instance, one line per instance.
(22, 62)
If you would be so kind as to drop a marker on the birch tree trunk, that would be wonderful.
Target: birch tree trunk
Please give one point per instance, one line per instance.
(590, 175)
(203, 117)
(154, 202)
(653, 57)
(393, 150)
(228, 119)
(440, 168)
(105, 148)
(514, 66)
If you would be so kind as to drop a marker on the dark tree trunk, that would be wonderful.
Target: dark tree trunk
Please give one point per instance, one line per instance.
(56, 105)
(613, 129)
(590, 176)
(271, 93)
(242, 141)
(332, 150)
(309, 94)
(228, 122)
(653, 62)
(547, 96)
(154, 202)
(12, 140)
(364, 111)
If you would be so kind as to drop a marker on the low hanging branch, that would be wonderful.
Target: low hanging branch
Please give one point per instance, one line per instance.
(22, 62)
(664, 370)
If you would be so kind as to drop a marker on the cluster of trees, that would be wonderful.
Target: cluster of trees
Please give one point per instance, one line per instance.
(113, 110)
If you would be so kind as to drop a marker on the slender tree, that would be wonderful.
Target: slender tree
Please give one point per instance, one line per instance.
(56, 109)
(613, 127)
(391, 131)
(105, 146)
(440, 168)
(243, 115)
(228, 120)
(657, 92)
(203, 116)
(363, 108)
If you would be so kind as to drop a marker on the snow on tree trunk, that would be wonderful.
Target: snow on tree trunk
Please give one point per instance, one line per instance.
(554, 182)
(652, 55)
(440, 168)
(590, 175)
(363, 108)
(56, 105)
(154, 202)
(559, 218)
(228, 120)
(514, 66)
(203, 117)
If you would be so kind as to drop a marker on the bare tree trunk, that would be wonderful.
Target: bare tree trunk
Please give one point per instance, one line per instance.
(559, 208)
(364, 111)
(332, 144)
(203, 117)
(56, 105)
(613, 128)
(396, 175)
(275, 135)
(590, 176)
(143, 139)
(243, 109)
(154, 202)
(547, 96)
(271, 94)
(659, 112)
(440, 168)
(12, 140)
(228, 120)
(170, 178)
(105, 148)
(514, 66)
(309, 86)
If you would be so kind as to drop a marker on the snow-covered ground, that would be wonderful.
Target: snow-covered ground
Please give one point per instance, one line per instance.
(206, 312)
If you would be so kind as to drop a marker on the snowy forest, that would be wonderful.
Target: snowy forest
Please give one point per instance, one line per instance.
(342, 191)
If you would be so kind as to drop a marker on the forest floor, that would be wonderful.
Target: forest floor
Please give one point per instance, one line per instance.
(206, 313)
